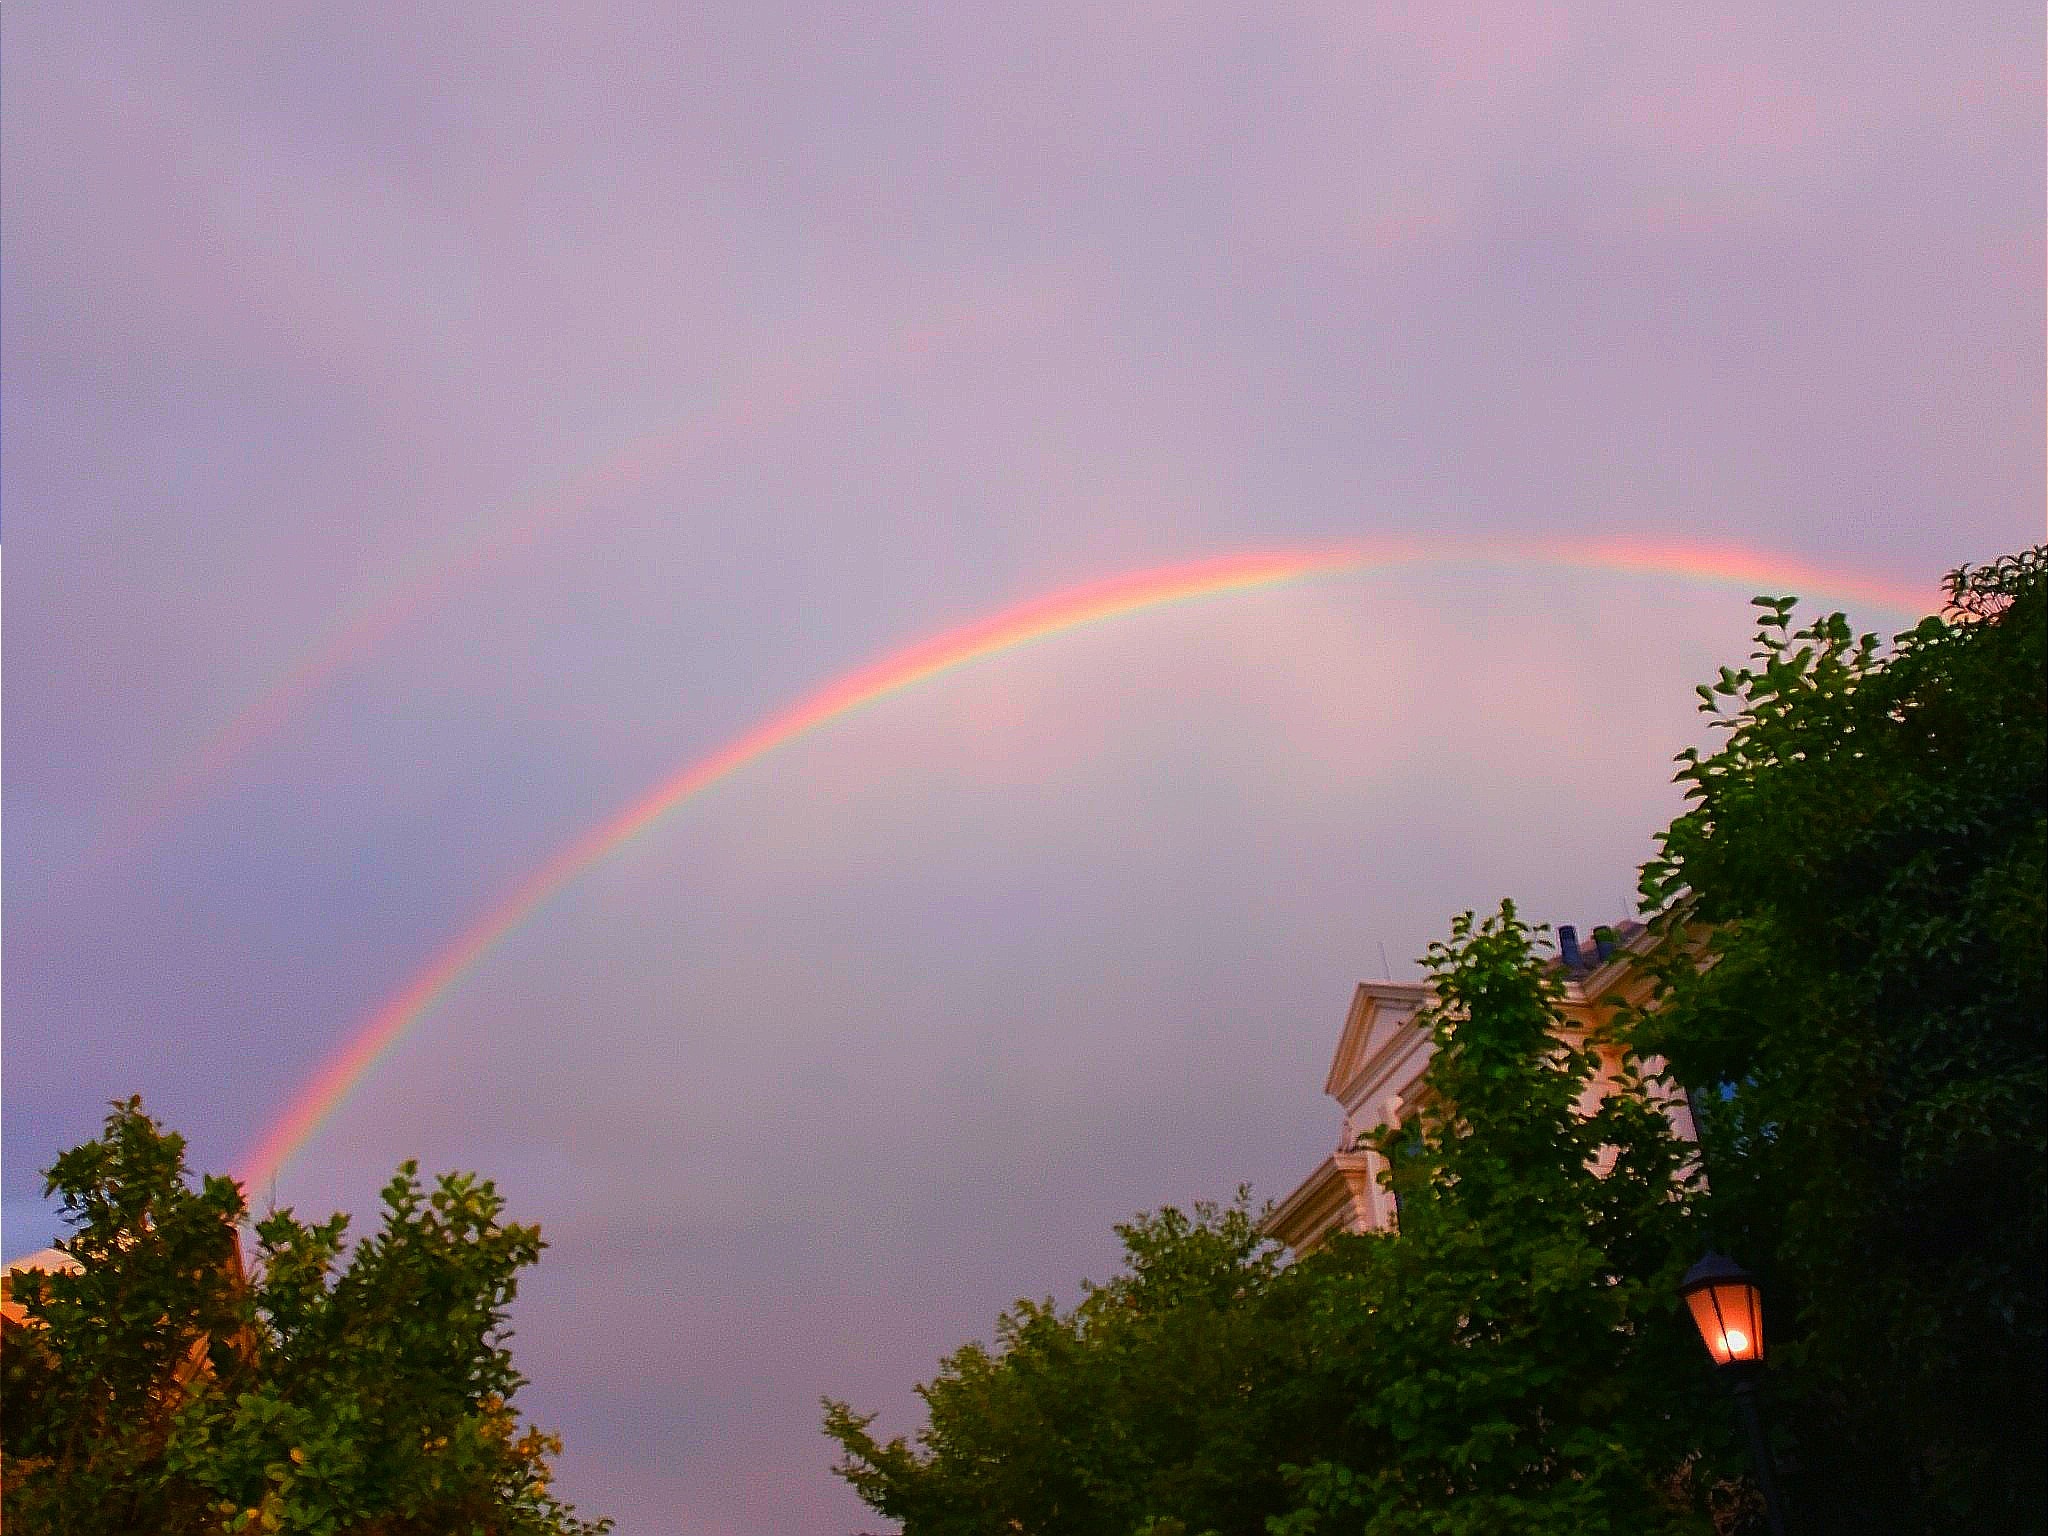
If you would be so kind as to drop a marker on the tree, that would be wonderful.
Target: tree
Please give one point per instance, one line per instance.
(1514, 1356)
(1852, 979)
(362, 1392)
(1164, 1402)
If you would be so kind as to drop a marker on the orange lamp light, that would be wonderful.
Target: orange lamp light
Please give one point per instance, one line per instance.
(1727, 1307)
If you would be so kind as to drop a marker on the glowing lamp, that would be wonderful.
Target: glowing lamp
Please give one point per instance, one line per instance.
(1727, 1308)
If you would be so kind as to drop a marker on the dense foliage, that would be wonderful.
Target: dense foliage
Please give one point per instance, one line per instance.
(1863, 869)
(1154, 1405)
(1514, 1359)
(1506, 1364)
(329, 1390)
(1849, 951)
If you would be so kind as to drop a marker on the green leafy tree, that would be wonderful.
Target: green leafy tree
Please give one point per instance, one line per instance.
(1514, 1356)
(1853, 980)
(1160, 1404)
(335, 1391)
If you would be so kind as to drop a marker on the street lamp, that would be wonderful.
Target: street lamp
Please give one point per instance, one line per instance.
(1728, 1309)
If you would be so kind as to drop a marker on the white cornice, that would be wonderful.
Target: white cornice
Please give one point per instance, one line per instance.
(1355, 1040)
(1332, 1198)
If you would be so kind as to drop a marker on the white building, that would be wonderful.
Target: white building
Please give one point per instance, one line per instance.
(1376, 1079)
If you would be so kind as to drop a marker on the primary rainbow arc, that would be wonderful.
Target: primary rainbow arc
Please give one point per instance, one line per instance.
(1009, 629)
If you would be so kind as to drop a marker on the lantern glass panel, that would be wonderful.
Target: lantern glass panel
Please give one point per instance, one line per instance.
(1730, 1321)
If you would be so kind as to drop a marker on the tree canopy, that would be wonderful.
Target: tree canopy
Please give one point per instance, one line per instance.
(1852, 980)
(326, 1389)
(1513, 1357)
(1154, 1405)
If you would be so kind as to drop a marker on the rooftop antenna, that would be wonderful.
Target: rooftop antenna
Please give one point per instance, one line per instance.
(1386, 968)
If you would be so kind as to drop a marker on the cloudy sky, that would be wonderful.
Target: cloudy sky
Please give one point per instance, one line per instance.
(422, 433)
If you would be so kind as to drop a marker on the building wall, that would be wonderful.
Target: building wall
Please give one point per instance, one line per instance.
(1376, 1075)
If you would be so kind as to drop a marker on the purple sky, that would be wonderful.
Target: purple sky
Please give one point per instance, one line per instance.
(920, 314)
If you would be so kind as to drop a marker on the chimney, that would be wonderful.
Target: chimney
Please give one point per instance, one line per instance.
(1603, 944)
(1568, 946)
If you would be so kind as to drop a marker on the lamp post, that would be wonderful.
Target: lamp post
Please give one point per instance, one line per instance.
(1728, 1309)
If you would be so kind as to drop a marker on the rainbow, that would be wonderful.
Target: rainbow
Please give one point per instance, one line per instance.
(1007, 630)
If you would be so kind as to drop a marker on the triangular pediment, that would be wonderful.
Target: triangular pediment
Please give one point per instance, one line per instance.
(1380, 1011)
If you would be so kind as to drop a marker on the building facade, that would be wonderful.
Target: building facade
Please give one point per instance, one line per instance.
(1376, 1079)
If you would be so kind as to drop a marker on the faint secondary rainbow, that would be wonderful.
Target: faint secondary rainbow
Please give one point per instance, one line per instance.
(426, 582)
(434, 577)
(1013, 627)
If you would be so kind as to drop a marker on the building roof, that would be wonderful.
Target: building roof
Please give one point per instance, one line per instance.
(48, 1260)
(1375, 1072)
